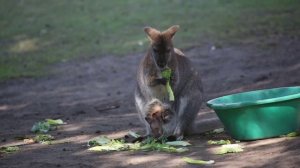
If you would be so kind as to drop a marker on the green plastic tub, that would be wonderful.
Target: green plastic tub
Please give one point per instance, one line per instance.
(259, 114)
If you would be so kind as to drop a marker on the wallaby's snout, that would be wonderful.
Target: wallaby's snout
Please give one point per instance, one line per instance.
(161, 59)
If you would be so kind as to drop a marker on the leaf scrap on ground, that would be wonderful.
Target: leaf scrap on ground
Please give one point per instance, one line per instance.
(102, 140)
(103, 143)
(151, 144)
(291, 134)
(47, 125)
(218, 130)
(55, 122)
(219, 142)
(215, 131)
(41, 127)
(44, 139)
(198, 162)
(9, 149)
(178, 143)
(229, 148)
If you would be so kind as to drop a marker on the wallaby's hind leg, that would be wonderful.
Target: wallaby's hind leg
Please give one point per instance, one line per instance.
(188, 109)
(140, 107)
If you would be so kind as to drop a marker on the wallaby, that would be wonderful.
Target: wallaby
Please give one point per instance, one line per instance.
(160, 115)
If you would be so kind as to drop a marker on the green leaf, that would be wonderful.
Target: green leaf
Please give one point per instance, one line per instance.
(9, 149)
(43, 138)
(170, 91)
(218, 130)
(215, 131)
(180, 150)
(178, 143)
(220, 142)
(199, 162)
(150, 144)
(167, 73)
(45, 126)
(292, 134)
(41, 127)
(54, 122)
(103, 148)
(230, 148)
(102, 140)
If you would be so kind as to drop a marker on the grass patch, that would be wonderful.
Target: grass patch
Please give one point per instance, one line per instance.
(36, 33)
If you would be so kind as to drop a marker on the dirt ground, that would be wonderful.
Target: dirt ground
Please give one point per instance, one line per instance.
(95, 97)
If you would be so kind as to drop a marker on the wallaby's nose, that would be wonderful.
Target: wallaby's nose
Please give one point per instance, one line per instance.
(157, 132)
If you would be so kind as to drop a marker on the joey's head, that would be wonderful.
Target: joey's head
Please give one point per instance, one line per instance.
(157, 117)
(161, 47)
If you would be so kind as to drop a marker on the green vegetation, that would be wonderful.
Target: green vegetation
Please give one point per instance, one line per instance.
(43, 138)
(103, 143)
(47, 125)
(197, 162)
(229, 148)
(167, 73)
(219, 142)
(9, 149)
(37, 33)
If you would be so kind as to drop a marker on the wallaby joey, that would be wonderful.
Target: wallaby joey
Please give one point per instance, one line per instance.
(157, 114)
(160, 115)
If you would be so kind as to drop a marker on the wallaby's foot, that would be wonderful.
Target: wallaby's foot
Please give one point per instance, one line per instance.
(139, 139)
(178, 133)
(171, 138)
(179, 138)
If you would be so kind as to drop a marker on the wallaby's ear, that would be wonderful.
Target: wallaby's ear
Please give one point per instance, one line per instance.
(171, 31)
(151, 33)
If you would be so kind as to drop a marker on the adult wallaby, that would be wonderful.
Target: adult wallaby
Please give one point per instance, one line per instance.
(160, 115)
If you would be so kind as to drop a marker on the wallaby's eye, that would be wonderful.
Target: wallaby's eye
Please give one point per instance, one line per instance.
(155, 50)
(168, 50)
(148, 119)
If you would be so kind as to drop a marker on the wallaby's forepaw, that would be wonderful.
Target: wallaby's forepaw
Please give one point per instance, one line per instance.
(158, 81)
(162, 81)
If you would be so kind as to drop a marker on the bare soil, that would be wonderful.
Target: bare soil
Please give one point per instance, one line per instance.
(95, 97)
